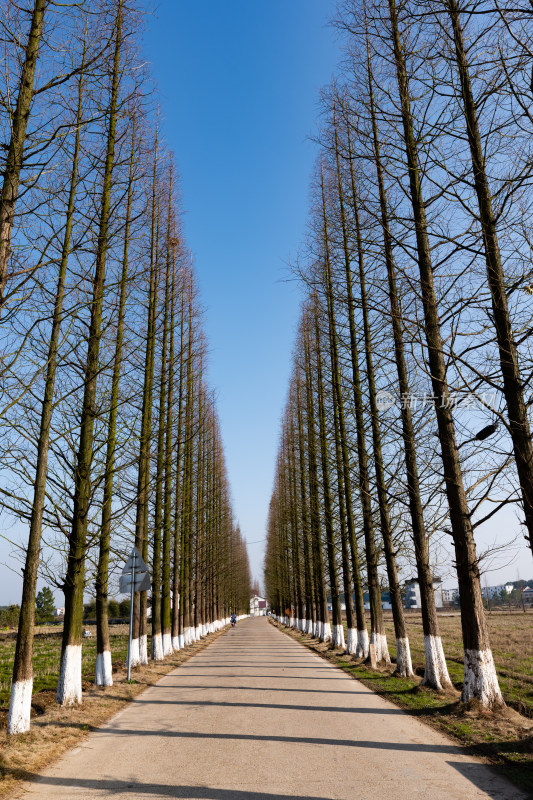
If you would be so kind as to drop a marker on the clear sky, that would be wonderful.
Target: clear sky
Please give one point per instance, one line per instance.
(239, 84)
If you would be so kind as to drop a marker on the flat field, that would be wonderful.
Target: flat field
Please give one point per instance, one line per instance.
(47, 650)
(512, 647)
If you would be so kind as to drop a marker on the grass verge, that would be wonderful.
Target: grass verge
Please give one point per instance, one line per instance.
(503, 739)
(55, 729)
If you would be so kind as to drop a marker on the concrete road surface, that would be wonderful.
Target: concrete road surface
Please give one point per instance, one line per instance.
(257, 716)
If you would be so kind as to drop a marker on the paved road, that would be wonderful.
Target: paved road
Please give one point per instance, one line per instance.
(256, 716)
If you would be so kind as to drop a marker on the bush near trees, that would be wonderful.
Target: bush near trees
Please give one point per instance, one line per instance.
(9, 616)
(113, 608)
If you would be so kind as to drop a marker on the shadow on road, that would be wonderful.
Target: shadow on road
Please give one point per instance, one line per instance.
(289, 707)
(136, 789)
(249, 737)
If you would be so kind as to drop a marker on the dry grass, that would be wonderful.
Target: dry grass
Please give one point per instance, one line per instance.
(512, 647)
(55, 729)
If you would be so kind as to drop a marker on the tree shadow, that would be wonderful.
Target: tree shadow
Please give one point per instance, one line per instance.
(261, 689)
(281, 706)
(245, 737)
(137, 789)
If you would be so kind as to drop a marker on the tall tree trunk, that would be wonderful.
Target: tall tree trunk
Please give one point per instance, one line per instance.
(347, 585)
(178, 510)
(157, 638)
(138, 654)
(512, 381)
(104, 670)
(293, 511)
(337, 633)
(167, 507)
(357, 643)
(15, 152)
(69, 684)
(22, 683)
(186, 515)
(377, 637)
(310, 613)
(480, 679)
(436, 671)
(322, 626)
(403, 654)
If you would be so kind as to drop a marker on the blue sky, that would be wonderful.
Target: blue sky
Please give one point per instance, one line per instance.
(239, 84)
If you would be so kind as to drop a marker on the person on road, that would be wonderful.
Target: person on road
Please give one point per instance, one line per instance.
(233, 619)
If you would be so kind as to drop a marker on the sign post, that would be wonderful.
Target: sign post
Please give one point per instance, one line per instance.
(135, 578)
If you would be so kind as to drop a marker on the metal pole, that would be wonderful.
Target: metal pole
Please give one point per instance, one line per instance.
(131, 614)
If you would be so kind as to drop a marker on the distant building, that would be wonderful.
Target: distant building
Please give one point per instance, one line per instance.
(527, 594)
(386, 604)
(411, 594)
(258, 606)
(59, 612)
(495, 592)
(449, 596)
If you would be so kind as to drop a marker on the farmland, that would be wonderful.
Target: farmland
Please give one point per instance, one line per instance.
(47, 651)
(512, 647)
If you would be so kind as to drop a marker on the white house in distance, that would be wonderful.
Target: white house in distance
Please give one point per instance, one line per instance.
(258, 606)
(411, 593)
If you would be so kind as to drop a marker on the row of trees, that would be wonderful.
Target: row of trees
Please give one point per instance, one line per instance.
(109, 430)
(408, 410)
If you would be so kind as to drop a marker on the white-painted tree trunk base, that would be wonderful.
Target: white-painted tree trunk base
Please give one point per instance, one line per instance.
(69, 682)
(103, 673)
(325, 632)
(481, 680)
(198, 633)
(337, 636)
(134, 657)
(167, 644)
(361, 650)
(351, 641)
(181, 641)
(379, 640)
(316, 630)
(176, 643)
(404, 665)
(18, 720)
(436, 670)
(157, 647)
(143, 649)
